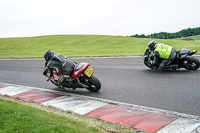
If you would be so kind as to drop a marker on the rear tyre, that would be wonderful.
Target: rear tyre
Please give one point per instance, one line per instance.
(95, 84)
(191, 63)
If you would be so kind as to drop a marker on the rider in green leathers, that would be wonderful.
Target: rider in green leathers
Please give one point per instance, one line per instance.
(165, 52)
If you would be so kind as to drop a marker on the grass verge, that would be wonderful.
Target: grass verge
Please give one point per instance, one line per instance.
(16, 117)
(83, 45)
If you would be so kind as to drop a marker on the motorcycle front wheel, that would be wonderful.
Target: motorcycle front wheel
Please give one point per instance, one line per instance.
(95, 84)
(191, 63)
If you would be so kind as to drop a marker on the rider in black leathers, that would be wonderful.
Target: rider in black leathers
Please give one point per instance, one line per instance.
(60, 64)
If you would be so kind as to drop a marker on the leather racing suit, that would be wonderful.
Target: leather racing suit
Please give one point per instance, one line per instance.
(60, 64)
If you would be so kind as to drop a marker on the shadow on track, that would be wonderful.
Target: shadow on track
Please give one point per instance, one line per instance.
(80, 91)
(179, 71)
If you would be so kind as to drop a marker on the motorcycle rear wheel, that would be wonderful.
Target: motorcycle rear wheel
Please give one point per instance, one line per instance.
(95, 84)
(191, 63)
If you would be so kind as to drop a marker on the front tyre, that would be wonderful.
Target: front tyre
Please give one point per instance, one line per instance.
(95, 84)
(191, 63)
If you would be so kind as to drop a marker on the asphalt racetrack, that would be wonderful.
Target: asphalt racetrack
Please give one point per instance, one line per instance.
(124, 79)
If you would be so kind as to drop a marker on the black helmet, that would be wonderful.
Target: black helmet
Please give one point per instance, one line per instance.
(48, 54)
(152, 45)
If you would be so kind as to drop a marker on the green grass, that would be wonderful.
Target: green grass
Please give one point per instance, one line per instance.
(19, 118)
(26, 118)
(82, 45)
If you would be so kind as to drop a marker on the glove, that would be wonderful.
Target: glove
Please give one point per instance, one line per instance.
(45, 71)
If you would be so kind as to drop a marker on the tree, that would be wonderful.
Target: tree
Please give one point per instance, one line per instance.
(165, 35)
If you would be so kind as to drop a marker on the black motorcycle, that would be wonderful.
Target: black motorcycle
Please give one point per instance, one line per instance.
(184, 59)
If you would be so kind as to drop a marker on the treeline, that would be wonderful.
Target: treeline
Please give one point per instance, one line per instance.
(166, 35)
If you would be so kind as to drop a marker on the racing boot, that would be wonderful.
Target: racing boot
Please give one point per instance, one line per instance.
(174, 66)
(171, 67)
(67, 84)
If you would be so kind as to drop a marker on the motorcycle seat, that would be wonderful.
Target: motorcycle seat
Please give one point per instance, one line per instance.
(78, 66)
(183, 53)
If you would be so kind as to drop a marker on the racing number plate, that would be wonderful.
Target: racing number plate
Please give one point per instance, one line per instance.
(89, 71)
